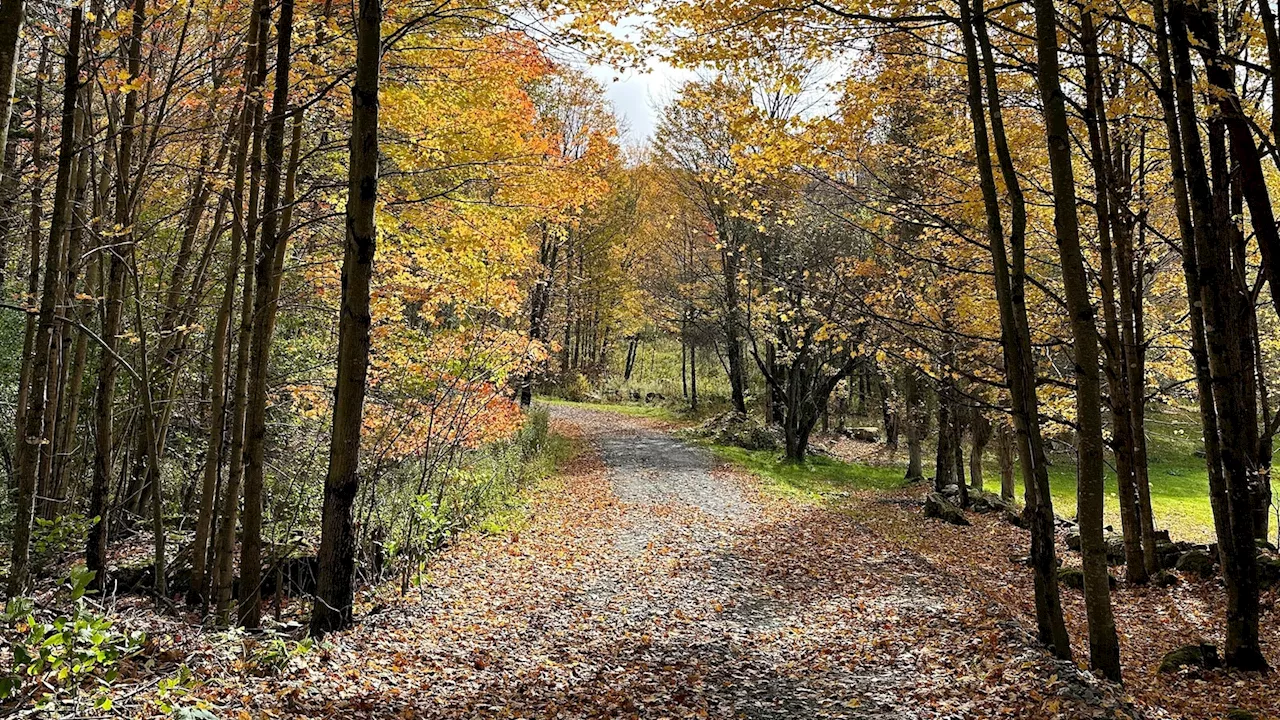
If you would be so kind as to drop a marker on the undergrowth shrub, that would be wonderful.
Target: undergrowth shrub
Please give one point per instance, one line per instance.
(63, 653)
(482, 489)
(51, 539)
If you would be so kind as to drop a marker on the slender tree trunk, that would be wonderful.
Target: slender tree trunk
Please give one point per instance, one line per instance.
(916, 418)
(693, 378)
(730, 264)
(1010, 278)
(12, 15)
(108, 366)
(1215, 292)
(1133, 337)
(980, 435)
(335, 591)
(1248, 184)
(35, 217)
(75, 349)
(217, 420)
(1116, 359)
(540, 298)
(944, 458)
(267, 280)
(243, 227)
(9, 195)
(1104, 647)
(1005, 453)
(36, 440)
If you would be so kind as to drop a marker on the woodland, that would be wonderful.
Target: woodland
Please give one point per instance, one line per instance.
(309, 309)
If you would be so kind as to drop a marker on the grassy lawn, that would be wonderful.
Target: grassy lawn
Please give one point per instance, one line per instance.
(817, 477)
(1179, 480)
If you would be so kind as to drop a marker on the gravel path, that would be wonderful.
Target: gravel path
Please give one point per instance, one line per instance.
(812, 624)
(677, 500)
(651, 583)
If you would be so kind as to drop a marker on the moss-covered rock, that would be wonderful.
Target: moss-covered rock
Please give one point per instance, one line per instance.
(1268, 571)
(981, 501)
(1115, 550)
(938, 506)
(1196, 562)
(1073, 577)
(1016, 519)
(1202, 655)
(1240, 714)
(1169, 552)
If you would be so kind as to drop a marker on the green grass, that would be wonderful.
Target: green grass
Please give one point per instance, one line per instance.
(653, 411)
(815, 478)
(510, 512)
(1178, 478)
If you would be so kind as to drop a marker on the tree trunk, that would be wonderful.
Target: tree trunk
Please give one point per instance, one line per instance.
(693, 378)
(9, 195)
(104, 436)
(915, 415)
(35, 215)
(36, 440)
(1105, 197)
(73, 369)
(980, 435)
(540, 298)
(944, 459)
(1104, 655)
(1010, 279)
(267, 273)
(1214, 291)
(334, 594)
(243, 228)
(1248, 183)
(1005, 452)
(217, 415)
(729, 264)
(12, 15)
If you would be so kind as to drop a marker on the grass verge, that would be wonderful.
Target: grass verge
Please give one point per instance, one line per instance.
(816, 479)
(665, 413)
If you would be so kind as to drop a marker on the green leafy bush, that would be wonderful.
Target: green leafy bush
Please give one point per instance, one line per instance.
(52, 538)
(270, 656)
(64, 651)
(577, 387)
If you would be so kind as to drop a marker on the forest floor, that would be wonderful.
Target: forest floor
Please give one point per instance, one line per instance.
(651, 581)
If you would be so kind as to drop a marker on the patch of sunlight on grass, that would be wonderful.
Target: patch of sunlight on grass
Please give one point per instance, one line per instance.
(1178, 478)
(814, 479)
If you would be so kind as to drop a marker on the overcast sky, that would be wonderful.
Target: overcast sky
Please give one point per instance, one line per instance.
(638, 97)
